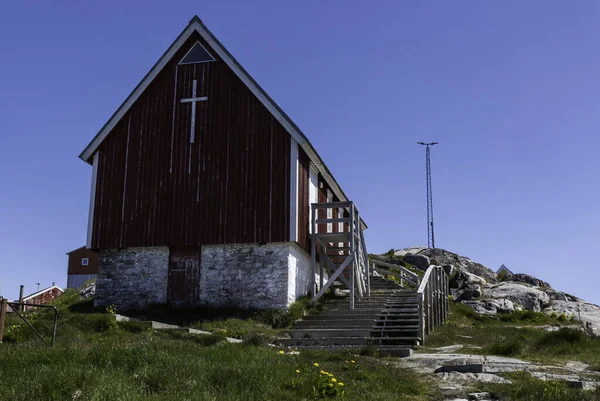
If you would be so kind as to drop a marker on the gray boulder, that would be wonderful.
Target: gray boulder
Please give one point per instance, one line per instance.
(421, 262)
(491, 307)
(442, 257)
(528, 279)
(449, 269)
(561, 296)
(588, 314)
(462, 278)
(531, 298)
(468, 292)
(88, 291)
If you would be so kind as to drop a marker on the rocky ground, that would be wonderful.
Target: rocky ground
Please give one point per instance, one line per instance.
(477, 286)
(461, 369)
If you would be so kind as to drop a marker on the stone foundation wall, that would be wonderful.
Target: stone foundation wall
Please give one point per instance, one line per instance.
(132, 278)
(245, 276)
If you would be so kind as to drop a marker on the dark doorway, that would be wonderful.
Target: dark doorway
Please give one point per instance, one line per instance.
(183, 290)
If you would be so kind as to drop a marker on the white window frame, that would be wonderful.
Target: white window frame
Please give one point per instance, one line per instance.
(313, 193)
(85, 261)
(329, 211)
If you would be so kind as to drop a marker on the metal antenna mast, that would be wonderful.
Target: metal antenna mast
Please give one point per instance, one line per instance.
(430, 234)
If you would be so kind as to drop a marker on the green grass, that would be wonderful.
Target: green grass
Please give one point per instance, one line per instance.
(526, 388)
(98, 359)
(516, 335)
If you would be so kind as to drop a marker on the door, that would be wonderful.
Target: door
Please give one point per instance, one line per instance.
(183, 289)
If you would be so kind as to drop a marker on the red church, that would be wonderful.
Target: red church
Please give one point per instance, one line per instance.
(202, 190)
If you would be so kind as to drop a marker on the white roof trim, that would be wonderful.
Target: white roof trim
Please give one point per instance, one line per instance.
(196, 25)
(35, 294)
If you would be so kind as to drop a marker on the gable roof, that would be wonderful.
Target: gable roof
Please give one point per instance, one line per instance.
(80, 248)
(35, 294)
(196, 25)
(504, 268)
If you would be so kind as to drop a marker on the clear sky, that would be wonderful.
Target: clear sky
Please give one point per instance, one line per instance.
(511, 90)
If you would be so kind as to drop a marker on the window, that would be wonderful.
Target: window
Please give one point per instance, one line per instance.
(84, 261)
(198, 54)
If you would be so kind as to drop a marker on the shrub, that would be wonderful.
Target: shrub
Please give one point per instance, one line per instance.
(134, 327)
(562, 337)
(507, 348)
(275, 318)
(256, 339)
(106, 323)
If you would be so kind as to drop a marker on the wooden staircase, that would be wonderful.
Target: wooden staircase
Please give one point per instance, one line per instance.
(387, 319)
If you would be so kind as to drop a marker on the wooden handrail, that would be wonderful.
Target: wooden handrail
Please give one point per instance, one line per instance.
(400, 276)
(432, 296)
(415, 277)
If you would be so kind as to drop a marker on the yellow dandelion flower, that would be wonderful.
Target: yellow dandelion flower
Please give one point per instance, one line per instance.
(330, 375)
(333, 380)
(297, 371)
(330, 385)
(316, 364)
(352, 361)
(323, 372)
(341, 384)
(281, 352)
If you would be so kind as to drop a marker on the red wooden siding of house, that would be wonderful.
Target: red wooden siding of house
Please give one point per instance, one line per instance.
(232, 185)
(303, 199)
(44, 297)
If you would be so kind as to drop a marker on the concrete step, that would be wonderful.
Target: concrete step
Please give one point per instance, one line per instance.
(344, 341)
(381, 331)
(401, 310)
(342, 316)
(338, 323)
(333, 332)
(399, 321)
(355, 311)
(324, 341)
(401, 351)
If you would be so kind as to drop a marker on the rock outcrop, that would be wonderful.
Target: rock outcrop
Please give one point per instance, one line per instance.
(476, 286)
(528, 279)
(531, 298)
(88, 291)
(442, 257)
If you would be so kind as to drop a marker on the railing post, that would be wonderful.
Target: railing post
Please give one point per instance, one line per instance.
(3, 307)
(314, 251)
(352, 250)
(322, 267)
(421, 317)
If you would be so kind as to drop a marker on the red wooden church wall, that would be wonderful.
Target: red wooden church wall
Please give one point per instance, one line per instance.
(232, 185)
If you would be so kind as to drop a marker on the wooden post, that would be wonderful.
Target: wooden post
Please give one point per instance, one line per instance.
(352, 250)
(21, 308)
(3, 307)
(313, 251)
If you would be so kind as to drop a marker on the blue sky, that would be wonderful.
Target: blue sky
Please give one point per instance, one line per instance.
(510, 90)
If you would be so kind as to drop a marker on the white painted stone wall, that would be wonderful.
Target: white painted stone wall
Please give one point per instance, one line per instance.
(253, 276)
(299, 281)
(132, 278)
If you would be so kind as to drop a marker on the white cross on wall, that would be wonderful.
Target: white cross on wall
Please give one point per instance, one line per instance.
(193, 101)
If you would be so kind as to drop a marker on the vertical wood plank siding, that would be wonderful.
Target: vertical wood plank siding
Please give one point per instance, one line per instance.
(155, 188)
(303, 199)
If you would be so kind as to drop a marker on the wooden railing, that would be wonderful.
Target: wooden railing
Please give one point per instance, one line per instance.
(404, 274)
(432, 297)
(337, 235)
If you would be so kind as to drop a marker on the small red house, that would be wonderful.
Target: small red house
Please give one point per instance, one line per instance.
(83, 266)
(44, 296)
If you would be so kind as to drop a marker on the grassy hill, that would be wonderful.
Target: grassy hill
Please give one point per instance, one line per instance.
(96, 358)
